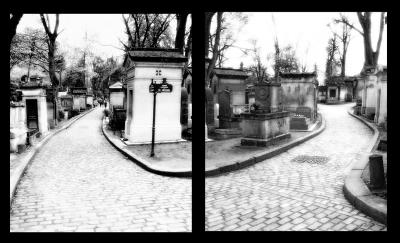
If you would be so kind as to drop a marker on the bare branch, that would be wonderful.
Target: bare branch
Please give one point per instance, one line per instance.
(344, 21)
(46, 28)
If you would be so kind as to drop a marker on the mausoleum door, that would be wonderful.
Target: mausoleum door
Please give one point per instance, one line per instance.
(32, 114)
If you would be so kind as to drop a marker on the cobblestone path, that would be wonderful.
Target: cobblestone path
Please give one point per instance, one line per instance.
(295, 190)
(79, 182)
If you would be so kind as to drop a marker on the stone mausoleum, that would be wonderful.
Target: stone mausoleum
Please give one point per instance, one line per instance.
(266, 122)
(299, 94)
(143, 65)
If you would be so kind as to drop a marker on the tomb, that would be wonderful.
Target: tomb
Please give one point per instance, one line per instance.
(117, 96)
(227, 127)
(381, 97)
(265, 123)
(18, 129)
(89, 100)
(34, 99)
(145, 66)
(299, 90)
(79, 98)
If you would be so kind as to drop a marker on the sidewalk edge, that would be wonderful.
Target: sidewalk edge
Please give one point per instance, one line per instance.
(28, 158)
(263, 156)
(354, 188)
(141, 162)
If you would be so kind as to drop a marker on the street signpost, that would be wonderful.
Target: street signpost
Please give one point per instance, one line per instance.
(155, 88)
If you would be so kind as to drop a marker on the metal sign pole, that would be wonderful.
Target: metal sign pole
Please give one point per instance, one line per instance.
(154, 121)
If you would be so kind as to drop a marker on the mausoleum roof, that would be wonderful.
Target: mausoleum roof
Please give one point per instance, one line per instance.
(32, 85)
(297, 75)
(157, 55)
(230, 72)
(116, 85)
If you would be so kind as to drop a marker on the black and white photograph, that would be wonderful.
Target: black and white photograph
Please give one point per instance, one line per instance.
(107, 131)
(296, 121)
(100, 122)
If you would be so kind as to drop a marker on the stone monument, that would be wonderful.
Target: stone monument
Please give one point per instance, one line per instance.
(143, 66)
(34, 99)
(265, 123)
(226, 128)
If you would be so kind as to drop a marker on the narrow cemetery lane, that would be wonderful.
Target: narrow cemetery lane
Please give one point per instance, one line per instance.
(295, 190)
(79, 182)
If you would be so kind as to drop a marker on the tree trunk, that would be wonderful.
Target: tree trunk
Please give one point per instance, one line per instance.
(343, 62)
(371, 57)
(208, 18)
(180, 30)
(53, 78)
(215, 48)
(188, 49)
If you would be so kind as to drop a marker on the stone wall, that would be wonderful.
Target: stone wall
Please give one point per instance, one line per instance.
(298, 93)
(117, 98)
(381, 114)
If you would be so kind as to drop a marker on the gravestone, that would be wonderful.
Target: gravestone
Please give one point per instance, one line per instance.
(262, 97)
(261, 126)
(209, 109)
(216, 115)
(299, 123)
(304, 111)
(184, 106)
(225, 110)
(190, 115)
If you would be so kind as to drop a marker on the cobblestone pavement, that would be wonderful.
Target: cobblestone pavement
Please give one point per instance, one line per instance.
(79, 182)
(293, 191)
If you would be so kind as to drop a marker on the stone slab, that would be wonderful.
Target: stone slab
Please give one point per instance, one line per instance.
(262, 142)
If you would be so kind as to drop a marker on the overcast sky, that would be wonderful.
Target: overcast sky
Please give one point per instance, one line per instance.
(102, 30)
(305, 31)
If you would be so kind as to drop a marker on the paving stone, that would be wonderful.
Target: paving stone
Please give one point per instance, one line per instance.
(287, 189)
(79, 181)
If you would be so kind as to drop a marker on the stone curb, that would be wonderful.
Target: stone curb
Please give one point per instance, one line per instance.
(264, 155)
(28, 158)
(119, 145)
(354, 188)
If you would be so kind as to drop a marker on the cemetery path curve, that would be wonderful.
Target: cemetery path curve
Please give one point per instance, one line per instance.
(301, 189)
(79, 182)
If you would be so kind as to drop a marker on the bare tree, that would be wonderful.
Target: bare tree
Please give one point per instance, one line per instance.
(371, 56)
(147, 30)
(188, 46)
(211, 66)
(285, 59)
(344, 37)
(51, 42)
(258, 70)
(12, 26)
(181, 19)
(331, 62)
(227, 39)
(208, 19)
